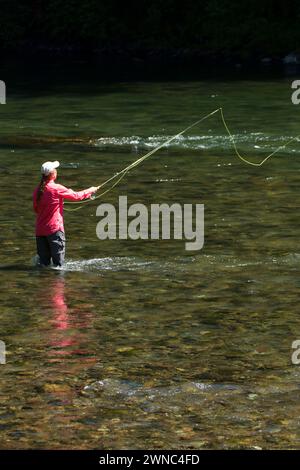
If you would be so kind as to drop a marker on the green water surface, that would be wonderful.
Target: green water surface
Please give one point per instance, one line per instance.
(142, 344)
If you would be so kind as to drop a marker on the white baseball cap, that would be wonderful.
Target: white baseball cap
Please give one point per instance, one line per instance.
(48, 167)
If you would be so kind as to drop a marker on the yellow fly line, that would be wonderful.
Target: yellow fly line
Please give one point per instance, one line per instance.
(121, 174)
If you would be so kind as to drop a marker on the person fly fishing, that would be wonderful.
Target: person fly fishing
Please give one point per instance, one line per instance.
(48, 199)
(48, 196)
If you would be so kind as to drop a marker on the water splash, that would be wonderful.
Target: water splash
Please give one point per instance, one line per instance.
(253, 140)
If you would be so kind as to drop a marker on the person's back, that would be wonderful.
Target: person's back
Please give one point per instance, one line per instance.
(49, 210)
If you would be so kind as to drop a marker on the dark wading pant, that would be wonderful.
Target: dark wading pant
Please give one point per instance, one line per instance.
(53, 246)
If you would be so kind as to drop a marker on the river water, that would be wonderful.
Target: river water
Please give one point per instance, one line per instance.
(142, 344)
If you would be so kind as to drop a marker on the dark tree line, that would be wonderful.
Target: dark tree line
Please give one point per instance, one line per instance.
(246, 27)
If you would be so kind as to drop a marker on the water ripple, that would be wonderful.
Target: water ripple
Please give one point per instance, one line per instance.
(254, 140)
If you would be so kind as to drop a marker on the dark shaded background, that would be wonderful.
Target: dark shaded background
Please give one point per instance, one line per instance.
(144, 30)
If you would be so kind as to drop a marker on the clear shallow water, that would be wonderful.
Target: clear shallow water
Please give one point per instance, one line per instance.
(141, 344)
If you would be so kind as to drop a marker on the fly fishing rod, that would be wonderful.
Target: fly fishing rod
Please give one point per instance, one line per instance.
(121, 174)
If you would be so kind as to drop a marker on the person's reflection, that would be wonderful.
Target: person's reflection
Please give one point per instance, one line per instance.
(60, 319)
(67, 338)
(70, 326)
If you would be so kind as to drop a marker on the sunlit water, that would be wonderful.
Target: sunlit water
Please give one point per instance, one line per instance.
(142, 344)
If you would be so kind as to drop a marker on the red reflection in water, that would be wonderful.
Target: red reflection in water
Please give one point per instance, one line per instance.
(65, 339)
(60, 308)
(68, 337)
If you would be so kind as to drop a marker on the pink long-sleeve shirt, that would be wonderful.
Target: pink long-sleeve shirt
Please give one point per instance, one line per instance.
(49, 209)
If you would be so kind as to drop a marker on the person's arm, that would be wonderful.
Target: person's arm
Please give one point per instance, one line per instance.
(71, 195)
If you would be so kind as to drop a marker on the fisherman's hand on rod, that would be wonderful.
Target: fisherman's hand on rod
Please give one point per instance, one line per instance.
(94, 189)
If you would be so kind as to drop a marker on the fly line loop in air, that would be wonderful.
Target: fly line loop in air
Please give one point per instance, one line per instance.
(121, 174)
